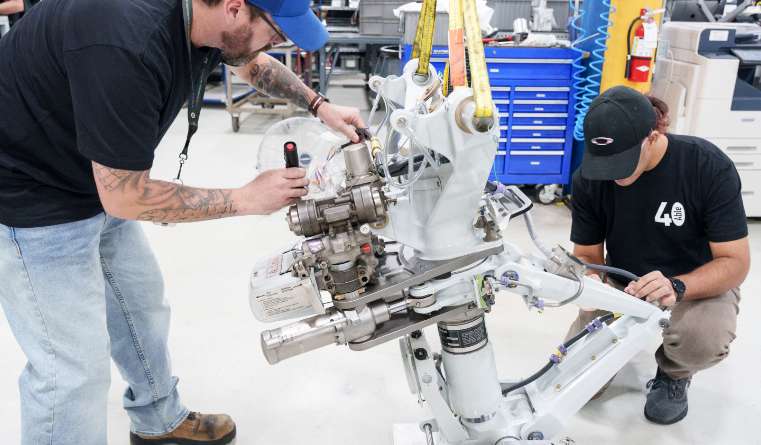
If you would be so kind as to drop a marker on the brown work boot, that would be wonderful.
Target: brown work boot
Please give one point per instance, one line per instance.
(197, 429)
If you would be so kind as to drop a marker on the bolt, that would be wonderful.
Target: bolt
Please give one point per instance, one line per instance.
(427, 379)
(401, 122)
(416, 334)
(615, 340)
(558, 387)
(536, 435)
(594, 357)
(421, 354)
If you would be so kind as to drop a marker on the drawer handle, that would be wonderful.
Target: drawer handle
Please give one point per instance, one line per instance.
(748, 119)
(541, 95)
(539, 122)
(539, 163)
(744, 164)
(748, 192)
(539, 108)
(742, 148)
(536, 147)
(536, 134)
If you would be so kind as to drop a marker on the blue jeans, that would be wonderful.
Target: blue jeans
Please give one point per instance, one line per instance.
(77, 295)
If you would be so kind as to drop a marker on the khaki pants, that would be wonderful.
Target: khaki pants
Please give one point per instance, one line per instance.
(698, 337)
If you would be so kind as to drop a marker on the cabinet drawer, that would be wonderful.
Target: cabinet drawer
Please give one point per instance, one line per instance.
(542, 94)
(751, 192)
(540, 121)
(535, 164)
(519, 68)
(499, 92)
(515, 140)
(539, 146)
(540, 107)
(738, 146)
(538, 133)
(535, 115)
(746, 162)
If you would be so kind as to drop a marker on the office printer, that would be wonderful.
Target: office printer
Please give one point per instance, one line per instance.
(709, 74)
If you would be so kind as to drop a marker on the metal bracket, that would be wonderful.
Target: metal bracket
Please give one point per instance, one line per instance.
(418, 271)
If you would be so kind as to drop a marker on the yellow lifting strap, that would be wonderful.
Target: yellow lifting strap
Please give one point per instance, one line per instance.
(423, 44)
(456, 63)
(445, 81)
(479, 76)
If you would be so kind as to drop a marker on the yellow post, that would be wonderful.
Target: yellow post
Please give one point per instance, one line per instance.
(614, 67)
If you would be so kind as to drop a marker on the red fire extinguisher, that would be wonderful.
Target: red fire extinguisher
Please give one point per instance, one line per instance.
(640, 50)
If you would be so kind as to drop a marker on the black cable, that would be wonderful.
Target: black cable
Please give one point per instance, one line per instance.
(610, 270)
(550, 363)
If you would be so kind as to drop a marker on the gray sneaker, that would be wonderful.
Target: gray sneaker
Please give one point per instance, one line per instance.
(667, 399)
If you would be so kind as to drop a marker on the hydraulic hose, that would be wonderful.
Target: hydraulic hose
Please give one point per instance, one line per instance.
(546, 251)
(612, 270)
(572, 298)
(555, 359)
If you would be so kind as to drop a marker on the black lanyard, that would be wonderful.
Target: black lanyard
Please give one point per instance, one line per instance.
(197, 86)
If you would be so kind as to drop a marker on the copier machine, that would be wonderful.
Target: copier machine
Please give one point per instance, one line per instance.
(709, 74)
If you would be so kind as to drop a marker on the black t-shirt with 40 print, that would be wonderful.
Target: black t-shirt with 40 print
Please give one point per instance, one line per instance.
(666, 219)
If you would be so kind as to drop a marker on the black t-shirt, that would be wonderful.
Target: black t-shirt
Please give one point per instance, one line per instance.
(81, 81)
(664, 220)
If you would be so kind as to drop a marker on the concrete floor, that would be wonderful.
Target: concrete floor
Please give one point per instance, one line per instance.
(339, 397)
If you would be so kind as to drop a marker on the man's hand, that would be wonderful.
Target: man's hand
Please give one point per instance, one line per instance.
(340, 118)
(271, 191)
(655, 288)
(134, 195)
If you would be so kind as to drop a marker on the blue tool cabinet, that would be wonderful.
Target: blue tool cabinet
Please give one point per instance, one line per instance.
(533, 91)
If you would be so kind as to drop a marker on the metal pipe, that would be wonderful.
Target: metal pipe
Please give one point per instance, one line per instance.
(546, 251)
(572, 298)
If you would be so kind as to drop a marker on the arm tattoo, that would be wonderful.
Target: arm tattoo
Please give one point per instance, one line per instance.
(273, 78)
(162, 201)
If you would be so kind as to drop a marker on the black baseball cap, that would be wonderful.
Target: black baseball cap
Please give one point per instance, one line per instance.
(615, 126)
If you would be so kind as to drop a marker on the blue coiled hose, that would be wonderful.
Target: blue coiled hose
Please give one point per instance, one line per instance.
(587, 80)
(579, 81)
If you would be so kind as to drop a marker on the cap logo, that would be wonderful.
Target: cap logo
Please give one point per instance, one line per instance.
(602, 141)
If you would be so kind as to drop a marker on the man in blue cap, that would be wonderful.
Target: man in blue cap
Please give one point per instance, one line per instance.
(88, 88)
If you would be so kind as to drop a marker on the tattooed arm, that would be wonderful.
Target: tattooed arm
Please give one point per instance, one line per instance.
(8, 7)
(270, 76)
(134, 195)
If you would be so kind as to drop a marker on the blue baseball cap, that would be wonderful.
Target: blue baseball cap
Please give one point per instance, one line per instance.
(296, 19)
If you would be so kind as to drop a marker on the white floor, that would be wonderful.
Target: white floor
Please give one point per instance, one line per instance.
(335, 396)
